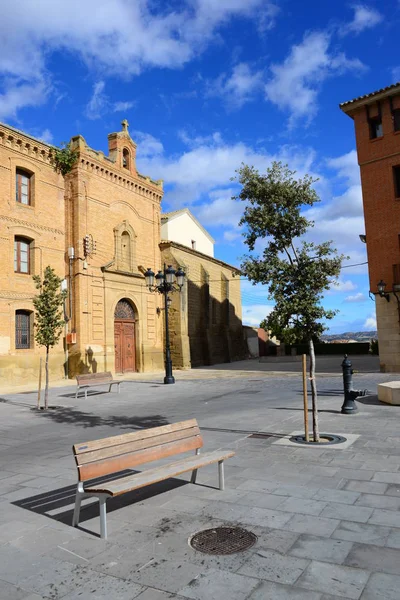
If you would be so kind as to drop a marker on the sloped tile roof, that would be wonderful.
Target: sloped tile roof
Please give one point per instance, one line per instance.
(371, 95)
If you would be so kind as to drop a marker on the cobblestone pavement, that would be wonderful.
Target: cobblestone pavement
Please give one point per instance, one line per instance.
(327, 518)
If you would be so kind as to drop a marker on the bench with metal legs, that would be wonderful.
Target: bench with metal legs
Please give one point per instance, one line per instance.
(89, 380)
(118, 453)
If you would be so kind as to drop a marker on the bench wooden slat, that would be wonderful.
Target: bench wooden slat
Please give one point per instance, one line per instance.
(94, 377)
(126, 448)
(134, 482)
(126, 461)
(131, 437)
(94, 382)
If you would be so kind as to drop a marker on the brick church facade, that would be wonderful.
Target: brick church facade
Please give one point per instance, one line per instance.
(99, 228)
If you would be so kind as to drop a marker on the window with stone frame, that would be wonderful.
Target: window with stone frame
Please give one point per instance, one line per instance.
(23, 187)
(22, 255)
(23, 329)
(125, 247)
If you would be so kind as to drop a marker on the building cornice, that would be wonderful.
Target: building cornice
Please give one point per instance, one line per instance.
(168, 244)
(26, 144)
(351, 105)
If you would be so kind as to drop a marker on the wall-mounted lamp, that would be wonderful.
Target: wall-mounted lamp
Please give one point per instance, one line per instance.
(363, 238)
(169, 302)
(381, 290)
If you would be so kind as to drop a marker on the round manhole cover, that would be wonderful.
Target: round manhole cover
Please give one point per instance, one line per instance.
(223, 540)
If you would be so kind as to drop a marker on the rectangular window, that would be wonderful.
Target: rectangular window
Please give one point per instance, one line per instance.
(375, 128)
(22, 329)
(396, 119)
(23, 187)
(21, 255)
(396, 181)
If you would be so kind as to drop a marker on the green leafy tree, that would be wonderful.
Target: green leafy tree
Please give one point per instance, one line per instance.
(297, 272)
(48, 316)
(64, 158)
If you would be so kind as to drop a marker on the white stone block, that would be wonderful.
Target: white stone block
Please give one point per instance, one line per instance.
(389, 392)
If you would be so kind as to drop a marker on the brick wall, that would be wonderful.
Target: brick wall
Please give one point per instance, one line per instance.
(206, 319)
(37, 223)
(376, 158)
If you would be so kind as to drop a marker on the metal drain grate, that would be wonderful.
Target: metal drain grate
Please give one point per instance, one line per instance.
(261, 436)
(223, 540)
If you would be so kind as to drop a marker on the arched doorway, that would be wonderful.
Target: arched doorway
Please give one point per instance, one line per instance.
(124, 337)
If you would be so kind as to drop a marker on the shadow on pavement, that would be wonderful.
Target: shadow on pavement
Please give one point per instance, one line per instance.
(64, 498)
(245, 432)
(370, 400)
(64, 414)
(320, 410)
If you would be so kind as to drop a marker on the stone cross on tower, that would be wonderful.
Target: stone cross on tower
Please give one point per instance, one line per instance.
(125, 125)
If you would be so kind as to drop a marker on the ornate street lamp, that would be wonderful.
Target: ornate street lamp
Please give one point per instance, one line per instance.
(166, 282)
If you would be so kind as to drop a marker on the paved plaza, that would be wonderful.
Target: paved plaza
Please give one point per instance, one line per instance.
(327, 518)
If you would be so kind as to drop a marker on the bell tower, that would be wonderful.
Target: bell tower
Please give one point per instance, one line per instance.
(122, 149)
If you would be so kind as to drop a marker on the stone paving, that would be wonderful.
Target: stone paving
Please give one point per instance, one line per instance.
(327, 518)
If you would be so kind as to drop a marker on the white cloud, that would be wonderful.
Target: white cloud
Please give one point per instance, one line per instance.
(238, 87)
(364, 18)
(97, 104)
(214, 139)
(296, 82)
(122, 106)
(232, 236)
(200, 177)
(20, 93)
(343, 286)
(221, 209)
(356, 298)
(346, 167)
(396, 74)
(46, 136)
(340, 217)
(116, 38)
(253, 314)
(100, 104)
(148, 145)
(210, 165)
(370, 323)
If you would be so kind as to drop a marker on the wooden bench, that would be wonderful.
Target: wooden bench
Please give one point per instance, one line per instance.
(115, 454)
(94, 379)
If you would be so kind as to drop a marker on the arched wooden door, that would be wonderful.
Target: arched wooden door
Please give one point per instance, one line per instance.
(124, 337)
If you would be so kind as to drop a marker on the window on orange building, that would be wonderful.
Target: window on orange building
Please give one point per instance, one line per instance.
(23, 187)
(22, 255)
(396, 119)
(375, 128)
(396, 181)
(23, 329)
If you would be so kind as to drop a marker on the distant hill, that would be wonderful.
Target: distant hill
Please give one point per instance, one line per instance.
(358, 336)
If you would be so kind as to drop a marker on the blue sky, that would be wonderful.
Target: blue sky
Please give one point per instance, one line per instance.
(205, 86)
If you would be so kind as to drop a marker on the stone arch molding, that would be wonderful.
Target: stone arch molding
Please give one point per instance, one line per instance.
(125, 247)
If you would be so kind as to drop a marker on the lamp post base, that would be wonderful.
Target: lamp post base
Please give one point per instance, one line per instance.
(349, 408)
(169, 379)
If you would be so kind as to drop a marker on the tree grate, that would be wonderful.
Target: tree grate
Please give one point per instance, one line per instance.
(223, 540)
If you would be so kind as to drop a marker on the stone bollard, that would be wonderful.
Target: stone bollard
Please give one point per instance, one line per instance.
(349, 407)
